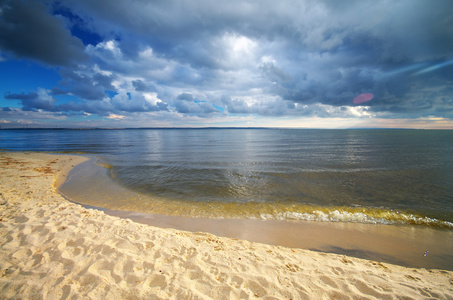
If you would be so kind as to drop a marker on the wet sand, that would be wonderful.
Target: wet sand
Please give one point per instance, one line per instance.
(402, 245)
(54, 249)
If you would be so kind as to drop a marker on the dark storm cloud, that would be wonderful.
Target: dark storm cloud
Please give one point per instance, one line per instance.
(28, 30)
(210, 58)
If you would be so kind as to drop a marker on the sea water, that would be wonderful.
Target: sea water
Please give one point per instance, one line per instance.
(365, 176)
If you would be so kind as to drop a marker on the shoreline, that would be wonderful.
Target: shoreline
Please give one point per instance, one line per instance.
(400, 244)
(82, 187)
(52, 248)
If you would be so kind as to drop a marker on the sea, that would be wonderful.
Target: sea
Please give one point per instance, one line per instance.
(376, 176)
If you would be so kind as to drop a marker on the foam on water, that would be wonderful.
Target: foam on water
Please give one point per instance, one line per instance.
(368, 217)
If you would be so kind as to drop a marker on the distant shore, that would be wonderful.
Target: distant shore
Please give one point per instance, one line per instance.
(54, 249)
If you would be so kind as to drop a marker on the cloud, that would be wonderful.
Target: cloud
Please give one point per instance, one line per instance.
(39, 100)
(330, 56)
(141, 86)
(115, 117)
(185, 103)
(137, 102)
(21, 96)
(89, 84)
(28, 30)
(205, 59)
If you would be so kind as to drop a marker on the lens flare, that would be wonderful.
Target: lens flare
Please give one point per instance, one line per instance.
(435, 67)
(365, 97)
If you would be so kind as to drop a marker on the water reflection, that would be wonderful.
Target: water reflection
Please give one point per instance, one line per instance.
(375, 169)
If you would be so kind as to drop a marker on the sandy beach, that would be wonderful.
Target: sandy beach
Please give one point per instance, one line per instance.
(51, 248)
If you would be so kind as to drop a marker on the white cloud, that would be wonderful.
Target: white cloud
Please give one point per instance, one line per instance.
(152, 98)
(108, 49)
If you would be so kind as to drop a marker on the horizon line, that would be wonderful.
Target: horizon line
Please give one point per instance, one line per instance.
(217, 127)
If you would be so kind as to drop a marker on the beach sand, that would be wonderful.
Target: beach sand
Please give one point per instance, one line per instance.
(51, 248)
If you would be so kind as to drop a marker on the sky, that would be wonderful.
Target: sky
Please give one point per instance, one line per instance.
(236, 63)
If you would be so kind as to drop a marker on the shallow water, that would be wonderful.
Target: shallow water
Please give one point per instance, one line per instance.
(405, 245)
(369, 176)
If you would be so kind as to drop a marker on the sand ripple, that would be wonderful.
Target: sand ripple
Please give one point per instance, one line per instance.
(53, 249)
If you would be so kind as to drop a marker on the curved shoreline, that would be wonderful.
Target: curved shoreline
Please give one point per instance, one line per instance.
(54, 249)
(82, 187)
(403, 245)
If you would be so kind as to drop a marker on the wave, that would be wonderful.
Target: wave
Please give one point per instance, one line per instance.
(368, 217)
(300, 212)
